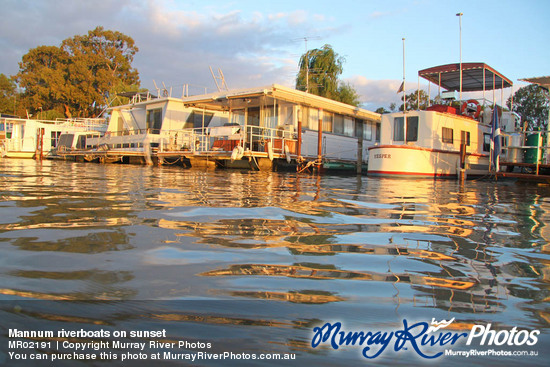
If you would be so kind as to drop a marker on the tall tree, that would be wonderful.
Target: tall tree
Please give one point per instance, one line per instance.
(319, 72)
(78, 77)
(100, 61)
(8, 95)
(531, 104)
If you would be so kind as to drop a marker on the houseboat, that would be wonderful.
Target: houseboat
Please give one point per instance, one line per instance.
(447, 137)
(27, 138)
(261, 128)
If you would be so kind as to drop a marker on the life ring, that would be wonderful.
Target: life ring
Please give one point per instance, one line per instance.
(464, 108)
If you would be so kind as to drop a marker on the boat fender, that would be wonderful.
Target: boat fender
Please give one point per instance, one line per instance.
(287, 153)
(237, 153)
(464, 107)
(234, 154)
(269, 151)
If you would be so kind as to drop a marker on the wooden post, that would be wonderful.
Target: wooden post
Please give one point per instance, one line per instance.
(320, 138)
(299, 143)
(39, 153)
(359, 154)
(463, 155)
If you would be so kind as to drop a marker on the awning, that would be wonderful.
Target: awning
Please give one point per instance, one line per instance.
(543, 81)
(476, 76)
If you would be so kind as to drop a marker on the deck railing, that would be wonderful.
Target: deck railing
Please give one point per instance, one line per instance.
(205, 140)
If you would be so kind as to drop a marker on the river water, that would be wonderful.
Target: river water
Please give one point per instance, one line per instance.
(251, 262)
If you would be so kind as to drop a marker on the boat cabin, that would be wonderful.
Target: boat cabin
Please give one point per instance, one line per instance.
(451, 135)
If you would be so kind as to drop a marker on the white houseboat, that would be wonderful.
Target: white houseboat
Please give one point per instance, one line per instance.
(446, 137)
(26, 138)
(260, 128)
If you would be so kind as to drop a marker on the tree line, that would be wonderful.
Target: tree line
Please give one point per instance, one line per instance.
(76, 79)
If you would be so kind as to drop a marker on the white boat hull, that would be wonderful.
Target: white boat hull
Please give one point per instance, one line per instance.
(413, 161)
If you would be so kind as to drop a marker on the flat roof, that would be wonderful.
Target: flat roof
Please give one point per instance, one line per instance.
(543, 81)
(221, 100)
(476, 76)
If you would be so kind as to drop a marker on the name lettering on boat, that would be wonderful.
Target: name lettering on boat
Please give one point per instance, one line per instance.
(382, 156)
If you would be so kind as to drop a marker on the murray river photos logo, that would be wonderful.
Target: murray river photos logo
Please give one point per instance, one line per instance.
(425, 339)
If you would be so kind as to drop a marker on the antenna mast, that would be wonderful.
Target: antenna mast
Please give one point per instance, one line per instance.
(222, 84)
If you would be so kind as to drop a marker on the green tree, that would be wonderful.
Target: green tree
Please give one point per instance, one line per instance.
(42, 75)
(413, 101)
(100, 62)
(347, 94)
(319, 72)
(531, 104)
(381, 110)
(78, 77)
(8, 95)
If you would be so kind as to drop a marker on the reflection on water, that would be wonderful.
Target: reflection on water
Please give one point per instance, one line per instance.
(309, 248)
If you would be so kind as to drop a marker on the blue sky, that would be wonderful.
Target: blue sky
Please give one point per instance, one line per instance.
(257, 43)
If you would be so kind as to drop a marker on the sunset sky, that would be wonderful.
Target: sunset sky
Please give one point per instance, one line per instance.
(258, 43)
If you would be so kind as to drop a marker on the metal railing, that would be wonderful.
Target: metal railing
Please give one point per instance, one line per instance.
(200, 140)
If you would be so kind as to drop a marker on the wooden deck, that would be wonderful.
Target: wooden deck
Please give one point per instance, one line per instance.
(526, 176)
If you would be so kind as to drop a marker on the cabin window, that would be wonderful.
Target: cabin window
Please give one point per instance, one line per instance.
(55, 138)
(313, 119)
(253, 116)
(398, 129)
(367, 131)
(447, 135)
(412, 128)
(66, 140)
(286, 114)
(359, 129)
(198, 119)
(237, 117)
(338, 125)
(154, 120)
(349, 127)
(327, 122)
(378, 131)
(465, 138)
(486, 142)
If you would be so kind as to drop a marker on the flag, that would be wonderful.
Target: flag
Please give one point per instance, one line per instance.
(401, 88)
(495, 141)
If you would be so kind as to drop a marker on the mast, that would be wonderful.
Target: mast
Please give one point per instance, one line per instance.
(459, 15)
(404, 99)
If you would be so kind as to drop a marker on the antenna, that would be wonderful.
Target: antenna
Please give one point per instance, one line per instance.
(157, 88)
(165, 91)
(221, 78)
(307, 56)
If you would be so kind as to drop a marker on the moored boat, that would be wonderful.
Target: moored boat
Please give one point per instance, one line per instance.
(271, 127)
(27, 138)
(446, 137)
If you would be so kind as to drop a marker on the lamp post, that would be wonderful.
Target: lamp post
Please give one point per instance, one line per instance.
(459, 15)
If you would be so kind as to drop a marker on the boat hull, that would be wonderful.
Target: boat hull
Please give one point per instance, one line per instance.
(412, 161)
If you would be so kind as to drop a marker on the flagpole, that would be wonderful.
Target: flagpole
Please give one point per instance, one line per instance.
(459, 15)
(404, 99)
